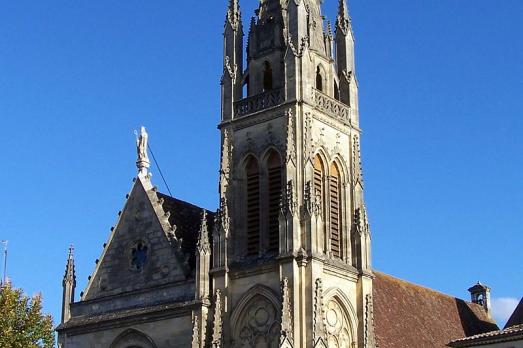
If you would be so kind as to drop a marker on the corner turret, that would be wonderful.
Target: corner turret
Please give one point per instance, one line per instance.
(232, 60)
(345, 57)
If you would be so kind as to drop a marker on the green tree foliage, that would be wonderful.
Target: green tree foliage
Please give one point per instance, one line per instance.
(22, 324)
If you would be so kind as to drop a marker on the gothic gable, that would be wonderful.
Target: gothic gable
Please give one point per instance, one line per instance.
(143, 250)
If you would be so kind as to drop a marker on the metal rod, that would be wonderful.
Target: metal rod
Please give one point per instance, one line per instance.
(4, 278)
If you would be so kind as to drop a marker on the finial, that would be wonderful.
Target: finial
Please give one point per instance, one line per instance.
(142, 162)
(70, 274)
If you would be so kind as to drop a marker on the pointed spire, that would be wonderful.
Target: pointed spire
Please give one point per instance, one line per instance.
(70, 273)
(343, 21)
(234, 16)
(203, 239)
(69, 286)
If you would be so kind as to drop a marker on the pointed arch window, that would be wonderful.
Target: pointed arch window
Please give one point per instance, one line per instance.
(335, 211)
(274, 183)
(253, 205)
(319, 80)
(267, 77)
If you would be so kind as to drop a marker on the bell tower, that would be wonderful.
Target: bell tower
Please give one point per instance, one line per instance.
(291, 242)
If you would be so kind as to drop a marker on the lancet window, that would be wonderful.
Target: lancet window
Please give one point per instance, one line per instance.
(267, 77)
(319, 80)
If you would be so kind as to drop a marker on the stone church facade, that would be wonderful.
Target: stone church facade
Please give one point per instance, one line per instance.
(286, 259)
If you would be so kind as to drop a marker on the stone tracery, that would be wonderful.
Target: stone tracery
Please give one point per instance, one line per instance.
(258, 325)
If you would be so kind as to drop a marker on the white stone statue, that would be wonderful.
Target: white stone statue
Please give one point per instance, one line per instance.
(143, 158)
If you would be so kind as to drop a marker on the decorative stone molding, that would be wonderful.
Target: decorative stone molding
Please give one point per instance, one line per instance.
(217, 334)
(319, 331)
(370, 341)
(288, 203)
(195, 333)
(286, 334)
(226, 160)
(357, 168)
(230, 69)
(307, 137)
(291, 137)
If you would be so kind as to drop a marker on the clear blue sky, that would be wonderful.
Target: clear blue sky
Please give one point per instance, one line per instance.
(441, 86)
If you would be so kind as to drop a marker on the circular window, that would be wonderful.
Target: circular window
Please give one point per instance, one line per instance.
(139, 255)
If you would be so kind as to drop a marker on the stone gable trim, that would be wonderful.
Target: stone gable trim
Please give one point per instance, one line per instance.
(84, 325)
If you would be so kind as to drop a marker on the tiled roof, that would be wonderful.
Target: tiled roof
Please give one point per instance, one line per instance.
(411, 316)
(510, 334)
(187, 218)
(517, 316)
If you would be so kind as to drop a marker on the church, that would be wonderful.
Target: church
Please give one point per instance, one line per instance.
(285, 260)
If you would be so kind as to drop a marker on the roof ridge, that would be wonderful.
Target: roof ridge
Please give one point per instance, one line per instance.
(164, 195)
(516, 318)
(411, 284)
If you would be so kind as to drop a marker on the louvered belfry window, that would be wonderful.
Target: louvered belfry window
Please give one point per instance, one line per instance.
(253, 206)
(318, 179)
(318, 190)
(335, 211)
(274, 181)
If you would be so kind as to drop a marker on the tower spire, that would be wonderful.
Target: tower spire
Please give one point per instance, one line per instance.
(234, 16)
(69, 286)
(343, 21)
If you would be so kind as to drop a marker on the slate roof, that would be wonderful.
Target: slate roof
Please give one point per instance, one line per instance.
(187, 218)
(510, 334)
(410, 316)
(517, 316)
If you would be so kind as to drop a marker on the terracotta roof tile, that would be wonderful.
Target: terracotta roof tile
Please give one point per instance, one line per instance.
(411, 316)
(510, 334)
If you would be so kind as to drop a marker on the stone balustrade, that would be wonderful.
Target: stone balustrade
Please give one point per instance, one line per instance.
(331, 106)
(259, 102)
